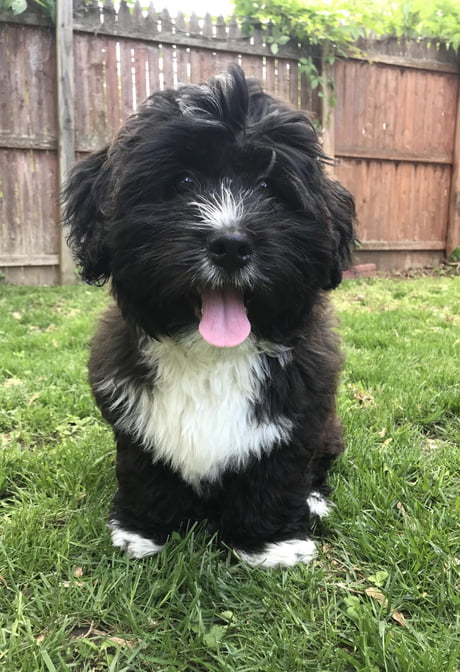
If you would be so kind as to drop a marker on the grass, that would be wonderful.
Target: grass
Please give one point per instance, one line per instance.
(382, 595)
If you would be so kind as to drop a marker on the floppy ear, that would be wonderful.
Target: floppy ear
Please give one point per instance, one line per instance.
(84, 196)
(342, 213)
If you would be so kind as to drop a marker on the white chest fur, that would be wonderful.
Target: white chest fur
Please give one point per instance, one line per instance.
(198, 417)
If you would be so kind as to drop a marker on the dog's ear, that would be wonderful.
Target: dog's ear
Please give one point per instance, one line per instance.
(342, 212)
(84, 196)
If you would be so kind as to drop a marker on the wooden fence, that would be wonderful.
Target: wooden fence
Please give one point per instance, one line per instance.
(397, 138)
(395, 129)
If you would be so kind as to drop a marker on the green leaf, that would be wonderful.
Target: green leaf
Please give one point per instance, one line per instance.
(215, 635)
(226, 616)
(378, 579)
(18, 6)
(353, 607)
(352, 613)
(283, 39)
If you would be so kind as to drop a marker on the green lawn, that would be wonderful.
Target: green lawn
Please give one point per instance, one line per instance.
(383, 594)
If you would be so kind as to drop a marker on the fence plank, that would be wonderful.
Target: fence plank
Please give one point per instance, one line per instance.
(153, 61)
(270, 77)
(98, 101)
(283, 80)
(220, 62)
(28, 209)
(195, 64)
(294, 84)
(327, 109)
(205, 64)
(453, 222)
(82, 85)
(66, 120)
(252, 66)
(126, 78)
(182, 60)
(366, 119)
(113, 85)
(390, 207)
(22, 48)
(168, 57)
(140, 73)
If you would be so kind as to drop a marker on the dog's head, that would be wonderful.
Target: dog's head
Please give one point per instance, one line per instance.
(212, 206)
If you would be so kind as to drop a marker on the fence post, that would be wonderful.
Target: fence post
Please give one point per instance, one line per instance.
(453, 222)
(328, 90)
(66, 123)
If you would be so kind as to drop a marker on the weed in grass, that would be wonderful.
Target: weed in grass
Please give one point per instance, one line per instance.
(382, 596)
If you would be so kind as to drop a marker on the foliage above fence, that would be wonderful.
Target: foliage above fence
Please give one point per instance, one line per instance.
(20, 6)
(342, 22)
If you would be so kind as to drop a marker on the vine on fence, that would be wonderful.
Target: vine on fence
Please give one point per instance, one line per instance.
(20, 6)
(342, 22)
(336, 26)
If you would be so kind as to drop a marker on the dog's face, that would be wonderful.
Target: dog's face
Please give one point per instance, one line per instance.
(212, 208)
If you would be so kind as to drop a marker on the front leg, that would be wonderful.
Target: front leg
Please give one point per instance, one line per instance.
(265, 513)
(150, 503)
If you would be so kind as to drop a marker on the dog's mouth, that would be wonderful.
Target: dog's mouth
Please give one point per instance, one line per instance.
(223, 321)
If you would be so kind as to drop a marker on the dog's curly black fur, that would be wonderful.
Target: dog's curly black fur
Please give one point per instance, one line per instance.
(215, 193)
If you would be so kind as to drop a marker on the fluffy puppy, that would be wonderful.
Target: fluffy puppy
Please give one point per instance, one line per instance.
(216, 366)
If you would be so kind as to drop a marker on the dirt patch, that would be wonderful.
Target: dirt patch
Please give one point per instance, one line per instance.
(450, 269)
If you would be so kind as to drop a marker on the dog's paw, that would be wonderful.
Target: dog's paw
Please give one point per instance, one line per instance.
(319, 505)
(135, 545)
(281, 554)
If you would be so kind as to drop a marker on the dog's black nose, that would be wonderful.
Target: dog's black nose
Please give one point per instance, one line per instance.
(230, 249)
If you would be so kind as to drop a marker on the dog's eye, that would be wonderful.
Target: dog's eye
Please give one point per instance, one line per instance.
(262, 185)
(185, 183)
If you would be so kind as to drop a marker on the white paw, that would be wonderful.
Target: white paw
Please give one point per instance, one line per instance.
(134, 544)
(319, 505)
(281, 554)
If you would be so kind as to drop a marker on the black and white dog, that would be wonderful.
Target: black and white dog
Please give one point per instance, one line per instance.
(217, 368)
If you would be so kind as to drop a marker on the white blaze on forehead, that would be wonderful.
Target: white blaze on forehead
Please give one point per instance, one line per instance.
(221, 209)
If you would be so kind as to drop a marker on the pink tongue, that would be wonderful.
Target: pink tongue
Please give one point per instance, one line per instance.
(224, 322)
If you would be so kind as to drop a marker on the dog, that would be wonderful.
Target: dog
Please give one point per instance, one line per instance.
(214, 216)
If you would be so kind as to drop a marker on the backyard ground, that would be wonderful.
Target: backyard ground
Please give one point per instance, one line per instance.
(383, 593)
